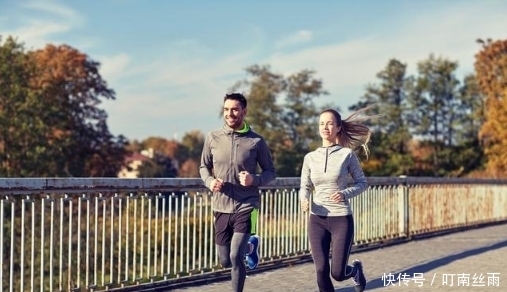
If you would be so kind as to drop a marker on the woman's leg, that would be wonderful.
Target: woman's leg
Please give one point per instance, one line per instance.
(342, 230)
(320, 240)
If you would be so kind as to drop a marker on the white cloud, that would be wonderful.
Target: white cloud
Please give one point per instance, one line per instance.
(179, 85)
(113, 67)
(450, 33)
(53, 8)
(38, 33)
(182, 89)
(298, 37)
(38, 23)
(177, 92)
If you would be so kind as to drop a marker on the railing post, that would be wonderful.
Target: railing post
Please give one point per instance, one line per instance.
(406, 206)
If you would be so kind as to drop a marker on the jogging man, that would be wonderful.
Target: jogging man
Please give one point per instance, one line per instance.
(229, 161)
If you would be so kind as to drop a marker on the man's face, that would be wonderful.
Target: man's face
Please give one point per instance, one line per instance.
(234, 113)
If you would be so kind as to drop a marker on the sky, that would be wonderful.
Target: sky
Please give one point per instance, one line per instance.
(171, 62)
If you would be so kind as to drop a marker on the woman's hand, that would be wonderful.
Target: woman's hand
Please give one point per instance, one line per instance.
(337, 197)
(305, 205)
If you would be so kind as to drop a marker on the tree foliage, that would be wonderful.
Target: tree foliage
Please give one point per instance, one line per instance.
(191, 148)
(282, 109)
(433, 123)
(434, 106)
(51, 123)
(430, 121)
(390, 154)
(159, 166)
(491, 74)
(23, 145)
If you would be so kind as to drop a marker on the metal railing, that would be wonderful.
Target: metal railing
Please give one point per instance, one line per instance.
(97, 234)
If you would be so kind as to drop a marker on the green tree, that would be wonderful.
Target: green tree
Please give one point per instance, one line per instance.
(262, 88)
(300, 118)
(390, 154)
(159, 166)
(434, 106)
(282, 110)
(24, 147)
(192, 143)
(468, 155)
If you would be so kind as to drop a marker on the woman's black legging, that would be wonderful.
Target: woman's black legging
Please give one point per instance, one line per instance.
(331, 232)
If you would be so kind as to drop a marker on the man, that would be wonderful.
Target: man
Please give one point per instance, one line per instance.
(229, 161)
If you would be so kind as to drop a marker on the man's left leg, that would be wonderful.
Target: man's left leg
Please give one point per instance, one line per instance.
(238, 269)
(242, 226)
(252, 252)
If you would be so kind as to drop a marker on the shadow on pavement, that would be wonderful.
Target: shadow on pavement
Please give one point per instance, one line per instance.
(428, 266)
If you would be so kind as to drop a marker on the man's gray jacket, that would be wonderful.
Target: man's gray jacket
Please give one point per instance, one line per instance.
(225, 154)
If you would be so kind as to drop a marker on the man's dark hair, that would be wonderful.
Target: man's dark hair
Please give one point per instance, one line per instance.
(238, 97)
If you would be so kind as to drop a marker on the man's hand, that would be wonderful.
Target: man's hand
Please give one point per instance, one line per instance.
(337, 197)
(245, 178)
(305, 205)
(216, 185)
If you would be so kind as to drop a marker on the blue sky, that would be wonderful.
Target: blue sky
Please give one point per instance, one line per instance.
(170, 62)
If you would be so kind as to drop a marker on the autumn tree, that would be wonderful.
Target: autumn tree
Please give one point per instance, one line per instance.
(71, 88)
(51, 124)
(161, 145)
(190, 154)
(491, 74)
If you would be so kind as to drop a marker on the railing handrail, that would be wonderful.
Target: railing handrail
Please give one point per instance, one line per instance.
(107, 233)
(65, 184)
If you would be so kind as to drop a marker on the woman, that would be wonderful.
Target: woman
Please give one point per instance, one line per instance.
(325, 171)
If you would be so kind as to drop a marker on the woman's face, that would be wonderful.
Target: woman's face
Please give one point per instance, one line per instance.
(328, 126)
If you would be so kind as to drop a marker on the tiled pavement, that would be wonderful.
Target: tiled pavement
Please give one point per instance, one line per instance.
(471, 260)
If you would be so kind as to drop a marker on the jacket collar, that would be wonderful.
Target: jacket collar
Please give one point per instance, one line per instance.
(228, 130)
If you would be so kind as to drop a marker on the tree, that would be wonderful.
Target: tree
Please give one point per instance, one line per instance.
(169, 148)
(50, 122)
(24, 149)
(491, 74)
(300, 119)
(192, 143)
(190, 154)
(262, 89)
(390, 133)
(434, 105)
(159, 166)
(468, 155)
(70, 87)
(288, 125)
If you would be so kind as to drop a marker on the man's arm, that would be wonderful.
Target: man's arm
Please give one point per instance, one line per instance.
(206, 162)
(265, 161)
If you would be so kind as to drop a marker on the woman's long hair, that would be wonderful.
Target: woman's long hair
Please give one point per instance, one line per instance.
(353, 134)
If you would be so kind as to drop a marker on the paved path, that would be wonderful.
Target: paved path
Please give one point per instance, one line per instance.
(472, 260)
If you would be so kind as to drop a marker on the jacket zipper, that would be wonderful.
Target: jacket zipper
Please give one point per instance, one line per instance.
(233, 160)
(325, 165)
